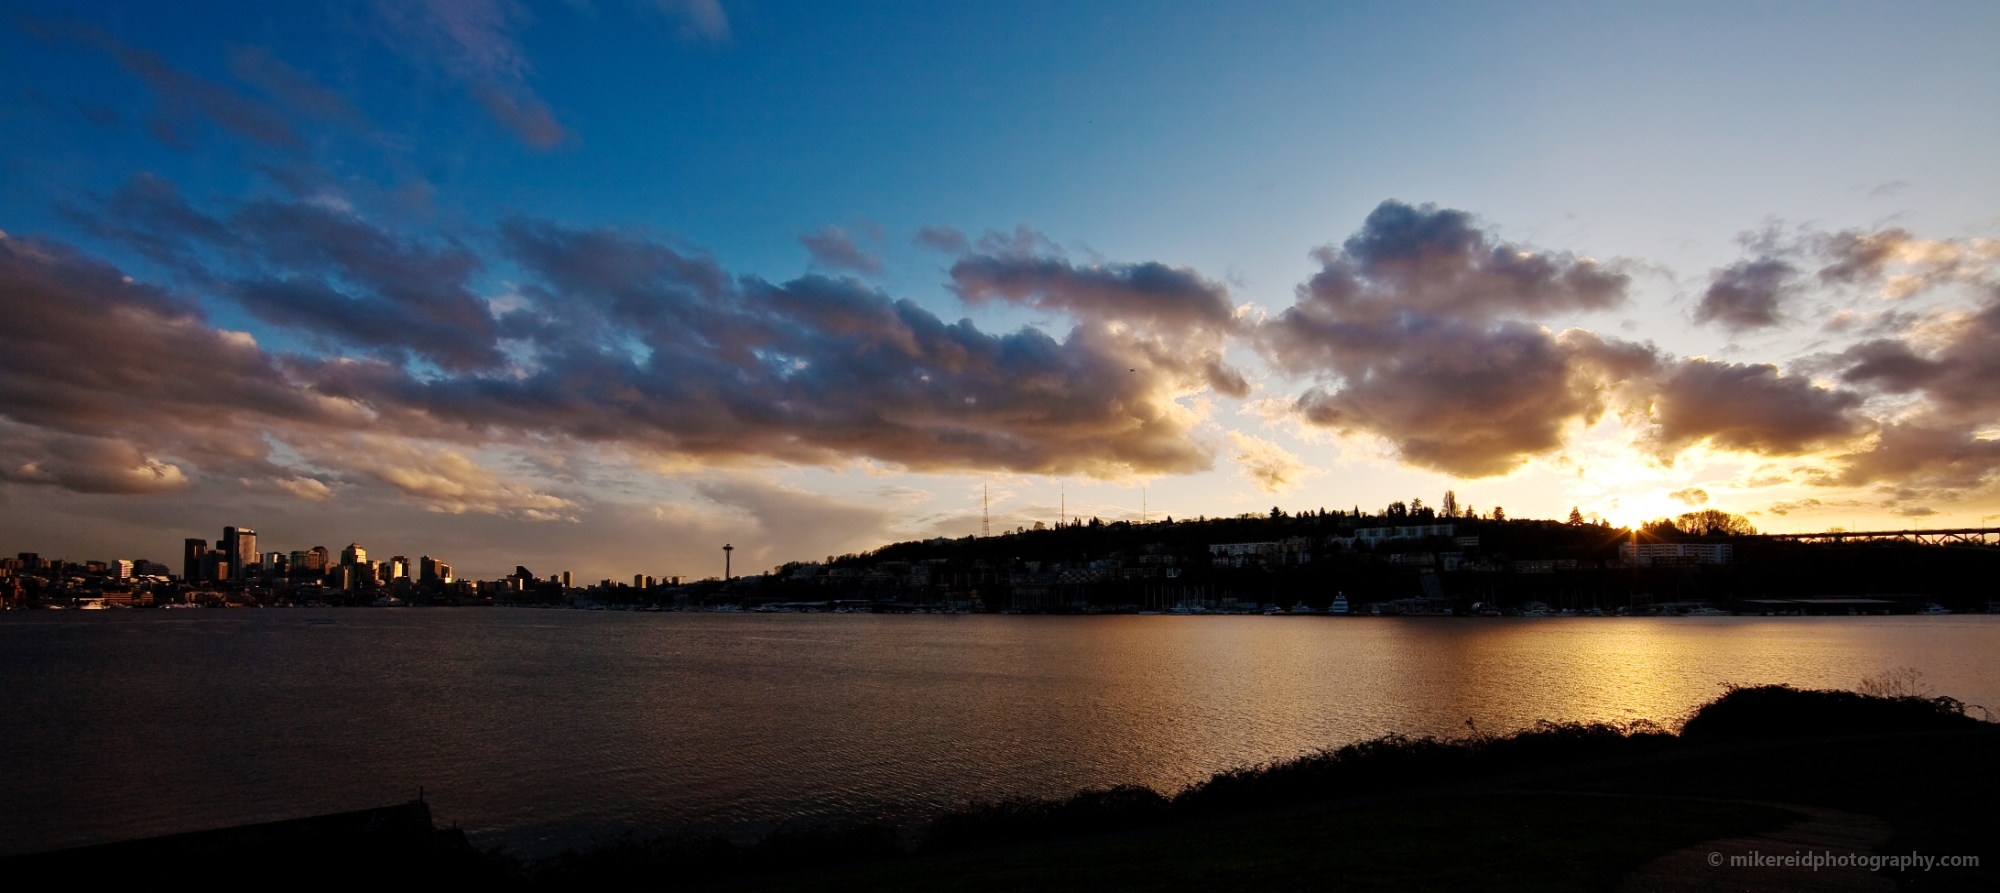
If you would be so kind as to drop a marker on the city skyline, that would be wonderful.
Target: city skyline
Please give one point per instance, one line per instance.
(562, 285)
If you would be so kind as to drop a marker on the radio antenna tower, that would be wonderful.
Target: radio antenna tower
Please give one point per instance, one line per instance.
(1142, 504)
(1062, 504)
(985, 513)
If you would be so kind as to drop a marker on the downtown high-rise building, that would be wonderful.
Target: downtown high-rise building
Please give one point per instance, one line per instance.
(194, 553)
(239, 548)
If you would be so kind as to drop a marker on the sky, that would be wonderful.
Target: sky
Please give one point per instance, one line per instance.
(600, 286)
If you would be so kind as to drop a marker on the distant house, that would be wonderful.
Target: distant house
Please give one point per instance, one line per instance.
(1371, 536)
(1296, 550)
(1675, 553)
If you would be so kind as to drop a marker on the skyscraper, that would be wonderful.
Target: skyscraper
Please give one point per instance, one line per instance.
(353, 555)
(193, 551)
(239, 548)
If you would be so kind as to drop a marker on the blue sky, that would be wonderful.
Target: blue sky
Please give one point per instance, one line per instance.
(1225, 142)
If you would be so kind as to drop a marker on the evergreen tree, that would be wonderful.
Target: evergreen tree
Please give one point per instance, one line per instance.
(1575, 517)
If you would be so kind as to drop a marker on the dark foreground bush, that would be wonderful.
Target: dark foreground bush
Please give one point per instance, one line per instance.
(675, 860)
(1781, 711)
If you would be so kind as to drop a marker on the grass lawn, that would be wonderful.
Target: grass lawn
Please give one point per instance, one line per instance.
(1499, 842)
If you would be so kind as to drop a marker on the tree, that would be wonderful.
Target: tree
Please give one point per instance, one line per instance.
(1448, 506)
(1714, 522)
(1277, 513)
(1575, 517)
(1499, 514)
(1396, 511)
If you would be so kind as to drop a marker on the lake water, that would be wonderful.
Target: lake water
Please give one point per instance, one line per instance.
(547, 728)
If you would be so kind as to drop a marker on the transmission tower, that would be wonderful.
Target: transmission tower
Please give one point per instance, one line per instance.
(985, 513)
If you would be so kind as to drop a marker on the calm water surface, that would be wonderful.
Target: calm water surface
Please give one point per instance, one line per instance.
(541, 729)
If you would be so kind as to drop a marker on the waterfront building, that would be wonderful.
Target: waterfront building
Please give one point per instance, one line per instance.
(353, 555)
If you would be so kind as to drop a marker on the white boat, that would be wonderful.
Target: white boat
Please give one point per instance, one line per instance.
(1706, 611)
(1935, 608)
(1339, 607)
(1302, 608)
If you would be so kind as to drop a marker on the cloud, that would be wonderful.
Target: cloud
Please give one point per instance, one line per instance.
(1749, 408)
(473, 41)
(631, 342)
(259, 68)
(1270, 467)
(1939, 442)
(107, 385)
(832, 247)
(1746, 295)
(1432, 261)
(308, 489)
(794, 523)
(704, 19)
(317, 269)
(1149, 293)
(943, 238)
(84, 464)
(1405, 329)
(1903, 264)
(443, 479)
(523, 112)
(1786, 508)
(1691, 496)
(1173, 311)
(182, 95)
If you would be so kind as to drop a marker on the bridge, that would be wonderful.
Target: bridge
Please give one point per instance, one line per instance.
(1955, 536)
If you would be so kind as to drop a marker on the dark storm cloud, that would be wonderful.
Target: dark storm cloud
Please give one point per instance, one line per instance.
(833, 248)
(1751, 408)
(1746, 295)
(1407, 327)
